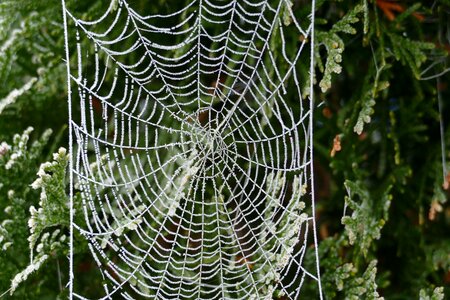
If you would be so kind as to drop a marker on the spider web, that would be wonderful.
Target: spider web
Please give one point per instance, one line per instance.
(191, 145)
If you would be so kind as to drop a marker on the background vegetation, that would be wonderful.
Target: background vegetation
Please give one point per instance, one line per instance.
(380, 133)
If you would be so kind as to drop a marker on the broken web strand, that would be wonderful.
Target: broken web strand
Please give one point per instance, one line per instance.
(215, 141)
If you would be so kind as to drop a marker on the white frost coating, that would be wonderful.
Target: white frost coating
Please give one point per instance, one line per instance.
(22, 276)
(14, 94)
(192, 159)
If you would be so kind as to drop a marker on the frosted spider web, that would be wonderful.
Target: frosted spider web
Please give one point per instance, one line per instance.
(191, 150)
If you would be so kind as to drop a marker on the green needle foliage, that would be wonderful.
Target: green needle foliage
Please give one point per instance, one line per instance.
(381, 171)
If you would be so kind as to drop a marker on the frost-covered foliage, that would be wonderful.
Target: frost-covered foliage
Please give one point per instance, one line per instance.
(436, 294)
(357, 287)
(19, 161)
(367, 219)
(334, 46)
(48, 222)
(392, 241)
(32, 93)
(387, 178)
(31, 70)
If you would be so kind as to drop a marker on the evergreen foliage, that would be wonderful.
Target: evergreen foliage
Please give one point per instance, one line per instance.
(382, 188)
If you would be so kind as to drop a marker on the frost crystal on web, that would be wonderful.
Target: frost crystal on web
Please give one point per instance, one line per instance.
(191, 149)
